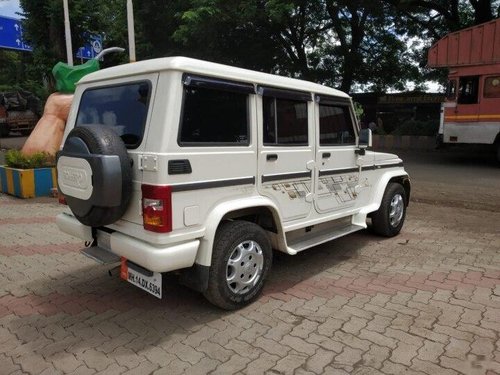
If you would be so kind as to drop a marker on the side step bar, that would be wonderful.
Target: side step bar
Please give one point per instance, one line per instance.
(100, 255)
(321, 237)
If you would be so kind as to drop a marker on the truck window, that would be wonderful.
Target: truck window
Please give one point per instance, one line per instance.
(122, 107)
(335, 125)
(214, 117)
(285, 122)
(492, 87)
(451, 90)
(468, 90)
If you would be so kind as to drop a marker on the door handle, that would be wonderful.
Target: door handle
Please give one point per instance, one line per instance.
(272, 157)
(326, 155)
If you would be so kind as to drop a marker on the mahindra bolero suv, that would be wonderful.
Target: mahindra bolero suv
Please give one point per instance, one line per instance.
(183, 165)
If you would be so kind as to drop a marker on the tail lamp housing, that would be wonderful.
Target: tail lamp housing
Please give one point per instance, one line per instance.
(157, 208)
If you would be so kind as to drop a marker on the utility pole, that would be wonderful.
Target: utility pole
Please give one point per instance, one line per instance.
(67, 32)
(131, 31)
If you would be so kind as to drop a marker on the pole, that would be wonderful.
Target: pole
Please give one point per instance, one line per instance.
(67, 32)
(131, 31)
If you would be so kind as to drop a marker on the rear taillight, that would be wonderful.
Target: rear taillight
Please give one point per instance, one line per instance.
(157, 208)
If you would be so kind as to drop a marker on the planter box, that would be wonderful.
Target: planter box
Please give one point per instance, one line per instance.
(27, 183)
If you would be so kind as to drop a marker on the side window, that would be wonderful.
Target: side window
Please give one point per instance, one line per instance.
(468, 90)
(492, 87)
(214, 117)
(451, 90)
(285, 122)
(335, 125)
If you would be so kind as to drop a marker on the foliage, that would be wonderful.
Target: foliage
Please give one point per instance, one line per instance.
(375, 45)
(358, 110)
(16, 159)
(416, 127)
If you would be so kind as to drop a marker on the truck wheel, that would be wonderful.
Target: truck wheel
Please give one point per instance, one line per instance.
(4, 130)
(389, 218)
(241, 261)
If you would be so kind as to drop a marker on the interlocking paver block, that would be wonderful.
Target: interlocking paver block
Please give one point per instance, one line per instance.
(262, 364)
(431, 351)
(319, 360)
(235, 364)
(215, 351)
(288, 364)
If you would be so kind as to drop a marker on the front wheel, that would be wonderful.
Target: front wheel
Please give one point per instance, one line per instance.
(389, 218)
(241, 261)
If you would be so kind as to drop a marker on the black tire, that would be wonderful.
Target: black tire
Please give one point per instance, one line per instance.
(229, 239)
(4, 130)
(390, 217)
(100, 140)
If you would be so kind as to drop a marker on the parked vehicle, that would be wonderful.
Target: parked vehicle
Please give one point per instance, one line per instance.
(471, 112)
(19, 112)
(183, 165)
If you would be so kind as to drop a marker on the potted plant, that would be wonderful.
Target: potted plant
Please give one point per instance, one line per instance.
(28, 176)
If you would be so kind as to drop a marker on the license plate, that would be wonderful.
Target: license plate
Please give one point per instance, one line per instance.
(149, 283)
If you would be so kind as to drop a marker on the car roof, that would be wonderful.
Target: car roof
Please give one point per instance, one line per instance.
(206, 68)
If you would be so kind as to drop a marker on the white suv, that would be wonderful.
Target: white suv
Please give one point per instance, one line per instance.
(178, 164)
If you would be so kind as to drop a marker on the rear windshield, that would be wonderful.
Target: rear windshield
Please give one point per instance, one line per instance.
(122, 107)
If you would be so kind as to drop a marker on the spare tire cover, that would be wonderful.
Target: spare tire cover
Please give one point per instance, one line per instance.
(95, 174)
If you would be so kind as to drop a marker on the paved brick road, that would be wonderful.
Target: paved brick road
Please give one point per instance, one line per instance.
(425, 302)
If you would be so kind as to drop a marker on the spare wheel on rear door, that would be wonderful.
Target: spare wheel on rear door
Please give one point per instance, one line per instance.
(95, 174)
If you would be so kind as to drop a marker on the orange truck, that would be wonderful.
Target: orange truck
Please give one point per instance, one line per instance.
(471, 112)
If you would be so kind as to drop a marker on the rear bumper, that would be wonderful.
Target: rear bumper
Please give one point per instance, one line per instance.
(151, 257)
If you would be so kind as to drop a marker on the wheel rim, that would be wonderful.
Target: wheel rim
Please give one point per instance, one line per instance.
(244, 267)
(397, 210)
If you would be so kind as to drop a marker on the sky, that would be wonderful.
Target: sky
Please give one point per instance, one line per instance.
(9, 8)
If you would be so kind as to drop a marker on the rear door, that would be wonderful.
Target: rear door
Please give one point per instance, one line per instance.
(125, 105)
(286, 150)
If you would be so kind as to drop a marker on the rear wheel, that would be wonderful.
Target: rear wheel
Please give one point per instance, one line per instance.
(390, 217)
(241, 261)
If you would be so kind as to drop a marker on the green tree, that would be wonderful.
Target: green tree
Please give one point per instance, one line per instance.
(335, 42)
(44, 29)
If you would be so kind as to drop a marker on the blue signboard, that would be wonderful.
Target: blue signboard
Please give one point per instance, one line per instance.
(11, 34)
(91, 49)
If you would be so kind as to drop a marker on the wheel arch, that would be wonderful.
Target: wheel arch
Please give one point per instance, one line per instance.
(400, 177)
(405, 181)
(259, 210)
(497, 140)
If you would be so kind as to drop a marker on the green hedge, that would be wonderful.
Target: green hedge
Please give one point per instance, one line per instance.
(16, 159)
(417, 127)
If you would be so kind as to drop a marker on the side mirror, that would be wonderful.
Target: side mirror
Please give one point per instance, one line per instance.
(365, 138)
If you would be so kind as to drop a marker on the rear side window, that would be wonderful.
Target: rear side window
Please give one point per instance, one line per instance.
(335, 125)
(213, 117)
(122, 107)
(285, 122)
